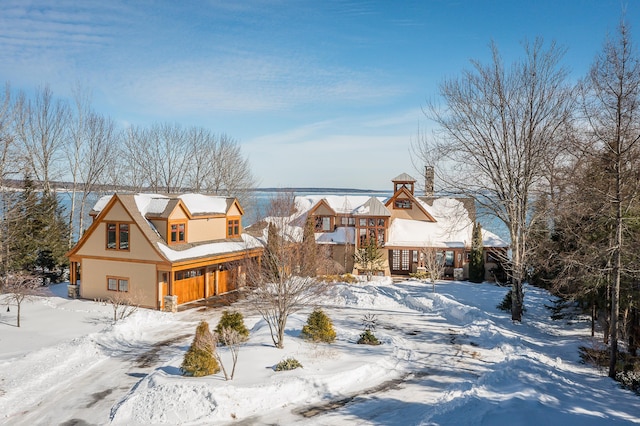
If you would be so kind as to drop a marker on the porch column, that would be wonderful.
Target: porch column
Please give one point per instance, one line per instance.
(73, 291)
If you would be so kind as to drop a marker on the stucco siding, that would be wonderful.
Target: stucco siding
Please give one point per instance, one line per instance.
(207, 229)
(140, 248)
(142, 280)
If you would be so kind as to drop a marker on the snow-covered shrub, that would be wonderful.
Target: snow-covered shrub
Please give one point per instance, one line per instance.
(288, 364)
(232, 320)
(629, 380)
(368, 338)
(319, 327)
(200, 359)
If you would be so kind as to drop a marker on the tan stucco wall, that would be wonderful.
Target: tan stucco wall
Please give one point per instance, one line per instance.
(414, 213)
(207, 229)
(177, 214)
(233, 211)
(140, 248)
(142, 280)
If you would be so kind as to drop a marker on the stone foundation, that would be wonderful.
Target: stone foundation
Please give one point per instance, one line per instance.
(73, 291)
(170, 304)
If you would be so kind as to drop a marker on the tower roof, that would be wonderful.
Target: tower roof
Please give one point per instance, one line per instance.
(403, 178)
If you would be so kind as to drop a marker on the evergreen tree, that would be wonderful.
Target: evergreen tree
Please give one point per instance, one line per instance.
(309, 250)
(39, 231)
(24, 245)
(200, 359)
(369, 258)
(319, 327)
(476, 263)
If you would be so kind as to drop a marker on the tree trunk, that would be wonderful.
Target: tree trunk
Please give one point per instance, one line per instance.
(615, 289)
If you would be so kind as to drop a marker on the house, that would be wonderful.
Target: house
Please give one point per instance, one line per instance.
(161, 251)
(403, 225)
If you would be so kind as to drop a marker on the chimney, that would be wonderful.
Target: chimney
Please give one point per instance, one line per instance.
(428, 181)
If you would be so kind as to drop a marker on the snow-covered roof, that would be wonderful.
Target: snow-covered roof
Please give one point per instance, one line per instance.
(210, 249)
(343, 204)
(452, 228)
(142, 206)
(156, 204)
(416, 233)
(342, 235)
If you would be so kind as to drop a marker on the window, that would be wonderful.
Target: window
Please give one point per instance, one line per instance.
(233, 228)
(118, 236)
(118, 284)
(402, 204)
(448, 258)
(190, 273)
(348, 221)
(178, 234)
(371, 228)
(323, 224)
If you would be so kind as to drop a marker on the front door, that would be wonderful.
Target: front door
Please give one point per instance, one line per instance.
(400, 261)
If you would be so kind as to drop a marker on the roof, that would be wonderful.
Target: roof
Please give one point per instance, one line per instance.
(159, 205)
(403, 178)
(344, 204)
(142, 206)
(373, 207)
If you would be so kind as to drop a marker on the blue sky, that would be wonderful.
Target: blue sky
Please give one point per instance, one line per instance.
(318, 93)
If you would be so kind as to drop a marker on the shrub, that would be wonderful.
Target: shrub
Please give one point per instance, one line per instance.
(288, 364)
(232, 320)
(344, 278)
(198, 363)
(419, 275)
(319, 328)
(368, 338)
(199, 359)
(505, 305)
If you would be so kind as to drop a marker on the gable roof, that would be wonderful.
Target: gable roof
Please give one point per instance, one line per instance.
(141, 206)
(453, 227)
(372, 207)
(421, 205)
(343, 204)
(161, 206)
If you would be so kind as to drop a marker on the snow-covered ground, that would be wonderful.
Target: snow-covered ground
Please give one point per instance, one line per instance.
(447, 358)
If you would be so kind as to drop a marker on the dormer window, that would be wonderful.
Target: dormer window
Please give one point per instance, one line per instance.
(233, 228)
(178, 232)
(402, 204)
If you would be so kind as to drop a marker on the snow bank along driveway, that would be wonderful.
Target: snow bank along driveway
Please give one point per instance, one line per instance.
(447, 357)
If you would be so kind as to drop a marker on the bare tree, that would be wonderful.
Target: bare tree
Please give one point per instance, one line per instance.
(433, 260)
(122, 303)
(170, 154)
(9, 168)
(41, 126)
(19, 287)
(277, 289)
(226, 171)
(233, 340)
(92, 142)
(498, 127)
(611, 105)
